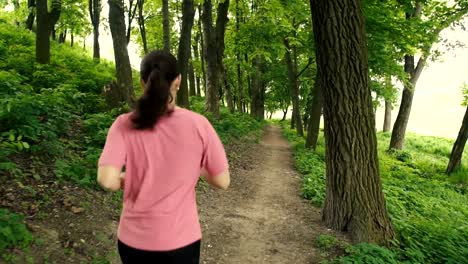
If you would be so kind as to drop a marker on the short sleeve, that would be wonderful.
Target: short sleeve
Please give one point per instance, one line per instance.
(214, 156)
(114, 152)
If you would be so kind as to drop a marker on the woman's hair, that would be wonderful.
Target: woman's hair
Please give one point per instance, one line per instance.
(158, 70)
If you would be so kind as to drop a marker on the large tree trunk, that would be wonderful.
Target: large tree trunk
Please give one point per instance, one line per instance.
(313, 128)
(45, 23)
(399, 128)
(188, 13)
(31, 16)
(459, 146)
(166, 25)
(292, 75)
(354, 199)
(214, 38)
(388, 116)
(95, 15)
(141, 25)
(122, 61)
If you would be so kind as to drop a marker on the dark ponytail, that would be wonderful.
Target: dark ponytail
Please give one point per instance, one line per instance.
(158, 70)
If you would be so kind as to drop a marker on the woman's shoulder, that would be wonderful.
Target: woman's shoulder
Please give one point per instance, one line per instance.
(199, 118)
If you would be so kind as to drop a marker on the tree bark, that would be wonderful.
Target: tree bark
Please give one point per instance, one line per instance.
(214, 38)
(72, 39)
(188, 14)
(45, 23)
(141, 25)
(166, 25)
(240, 90)
(313, 128)
(292, 73)
(388, 117)
(354, 199)
(122, 61)
(94, 7)
(459, 146)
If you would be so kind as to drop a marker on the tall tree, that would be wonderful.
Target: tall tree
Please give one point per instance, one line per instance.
(292, 75)
(214, 40)
(354, 199)
(196, 54)
(440, 17)
(191, 78)
(122, 61)
(166, 25)
(188, 14)
(95, 15)
(46, 21)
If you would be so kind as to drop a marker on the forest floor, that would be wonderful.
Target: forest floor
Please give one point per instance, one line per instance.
(260, 219)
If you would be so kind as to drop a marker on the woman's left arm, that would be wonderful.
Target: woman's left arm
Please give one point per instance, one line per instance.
(110, 177)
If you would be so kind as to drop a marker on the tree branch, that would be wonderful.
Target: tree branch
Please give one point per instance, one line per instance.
(305, 68)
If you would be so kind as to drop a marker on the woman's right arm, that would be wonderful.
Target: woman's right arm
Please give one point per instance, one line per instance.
(215, 167)
(220, 181)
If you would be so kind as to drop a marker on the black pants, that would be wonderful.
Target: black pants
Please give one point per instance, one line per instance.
(187, 255)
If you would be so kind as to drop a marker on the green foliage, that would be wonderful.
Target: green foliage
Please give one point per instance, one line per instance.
(326, 241)
(13, 231)
(369, 254)
(428, 211)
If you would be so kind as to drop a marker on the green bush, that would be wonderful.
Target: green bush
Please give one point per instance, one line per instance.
(13, 231)
(326, 241)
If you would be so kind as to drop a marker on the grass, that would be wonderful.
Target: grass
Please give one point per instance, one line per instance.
(427, 208)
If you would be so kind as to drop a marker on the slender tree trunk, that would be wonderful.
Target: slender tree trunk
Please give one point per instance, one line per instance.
(292, 73)
(188, 13)
(197, 57)
(31, 16)
(122, 61)
(285, 113)
(313, 129)
(191, 74)
(229, 97)
(166, 24)
(202, 50)
(240, 90)
(388, 117)
(214, 38)
(62, 37)
(45, 23)
(399, 128)
(354, 199)
(94, 7)
(132, 8)
(72, 39)
(459, 146)
(293, 120)
(141, 25)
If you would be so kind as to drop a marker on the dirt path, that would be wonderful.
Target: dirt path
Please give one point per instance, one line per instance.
(262, 218)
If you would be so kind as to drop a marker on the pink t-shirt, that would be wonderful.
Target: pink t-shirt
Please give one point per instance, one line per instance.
(162, 168)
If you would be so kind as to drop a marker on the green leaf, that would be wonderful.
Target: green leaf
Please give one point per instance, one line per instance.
(25, 145)
(12, 137)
